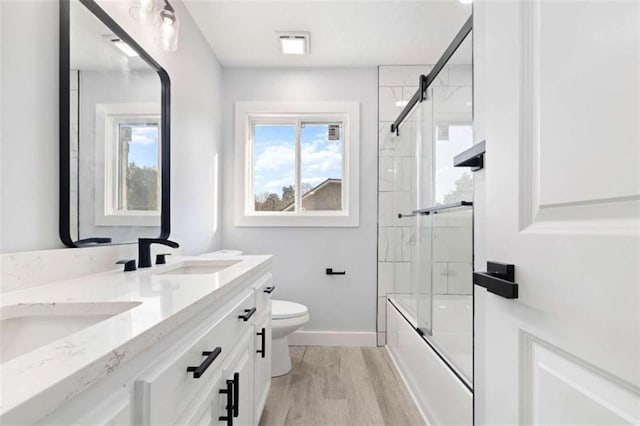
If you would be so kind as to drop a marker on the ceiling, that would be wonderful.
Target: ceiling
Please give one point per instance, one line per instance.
(346, 33)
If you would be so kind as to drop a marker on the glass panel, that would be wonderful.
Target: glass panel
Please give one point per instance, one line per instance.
(138, 183)
(452, 115)
(452, 319)
(321, 170)
(274, 156)
(424, 193)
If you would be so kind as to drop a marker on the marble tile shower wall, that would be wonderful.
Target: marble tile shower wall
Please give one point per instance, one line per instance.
(396, 186)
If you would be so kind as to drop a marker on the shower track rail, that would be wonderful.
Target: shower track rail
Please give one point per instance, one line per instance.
(426, 80)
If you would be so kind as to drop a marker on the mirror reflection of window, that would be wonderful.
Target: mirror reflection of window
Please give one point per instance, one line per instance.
(138, 184)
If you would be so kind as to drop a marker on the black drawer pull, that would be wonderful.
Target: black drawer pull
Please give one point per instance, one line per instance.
(269, 289)
(330, 271)
(248, 313)
(229, 392)
(499, 279)
(263, 335)
(236, 394)
(210, 357)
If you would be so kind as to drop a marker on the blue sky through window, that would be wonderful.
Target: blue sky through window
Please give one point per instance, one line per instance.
(143, 148)
(274, 156)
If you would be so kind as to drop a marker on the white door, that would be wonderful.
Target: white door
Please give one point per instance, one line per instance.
(557, 100)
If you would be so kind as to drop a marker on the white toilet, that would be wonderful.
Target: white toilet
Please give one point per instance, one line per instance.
(286, 317)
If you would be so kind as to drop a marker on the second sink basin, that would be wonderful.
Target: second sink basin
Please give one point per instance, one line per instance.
(28, 326)
(200, 267)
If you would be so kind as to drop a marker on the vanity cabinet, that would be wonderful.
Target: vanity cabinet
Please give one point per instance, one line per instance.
(215, 366)
(227, 399)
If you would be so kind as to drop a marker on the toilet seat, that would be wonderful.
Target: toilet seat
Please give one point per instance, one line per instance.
(282, 309)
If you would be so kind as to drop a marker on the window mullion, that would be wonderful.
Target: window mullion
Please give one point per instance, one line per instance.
(298, 195)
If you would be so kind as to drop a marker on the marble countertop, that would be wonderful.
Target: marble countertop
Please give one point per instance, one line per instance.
(66, 367)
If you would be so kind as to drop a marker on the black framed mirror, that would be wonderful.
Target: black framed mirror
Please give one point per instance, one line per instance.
(114, 133)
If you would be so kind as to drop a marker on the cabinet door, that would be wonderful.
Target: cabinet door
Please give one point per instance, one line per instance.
(238, 370)
(262, 360)
(204, 410)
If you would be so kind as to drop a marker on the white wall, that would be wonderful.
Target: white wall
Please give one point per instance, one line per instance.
(29, 145)
(338, 303)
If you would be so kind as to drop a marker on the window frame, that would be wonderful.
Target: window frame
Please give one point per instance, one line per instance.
(107, 169)
(248, 114)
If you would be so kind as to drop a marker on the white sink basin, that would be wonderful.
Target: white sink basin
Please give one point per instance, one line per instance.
(28, 326)
(200, 267)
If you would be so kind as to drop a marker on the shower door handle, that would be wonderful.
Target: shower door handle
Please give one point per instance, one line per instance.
(400, 215)
(499, 279)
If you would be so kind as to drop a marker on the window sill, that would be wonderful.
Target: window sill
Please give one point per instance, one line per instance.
(299, 221)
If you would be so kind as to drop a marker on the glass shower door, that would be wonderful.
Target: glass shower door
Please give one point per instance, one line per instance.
(423, 225)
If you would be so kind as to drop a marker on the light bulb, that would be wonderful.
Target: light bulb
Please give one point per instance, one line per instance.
(146, 5)
(167, 29)
(143, 11)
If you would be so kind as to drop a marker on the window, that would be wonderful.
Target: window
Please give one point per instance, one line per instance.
(297, 164)
(130, 168)
(137, 182)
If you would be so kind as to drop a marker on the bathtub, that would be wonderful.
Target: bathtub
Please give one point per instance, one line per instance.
(436, 367)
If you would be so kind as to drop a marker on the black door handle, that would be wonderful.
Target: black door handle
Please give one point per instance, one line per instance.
(269, 289)
(248, 313)
(499, 279)
(329, 271)
(236, 394)
(263, 335)
(229, 392)
(210, 357)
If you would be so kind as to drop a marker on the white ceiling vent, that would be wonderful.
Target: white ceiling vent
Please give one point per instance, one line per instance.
(294, 43)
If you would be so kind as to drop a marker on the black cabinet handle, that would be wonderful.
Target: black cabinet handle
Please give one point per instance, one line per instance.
(263, 336)
(210, 357)
(236, 394)
(499, 279)
(129, 264)
(229, 392)
(248, 313)
(269, 289)
(330, 271)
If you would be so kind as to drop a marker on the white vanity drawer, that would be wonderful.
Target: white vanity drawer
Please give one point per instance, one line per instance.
(263, 288)
(166, 389)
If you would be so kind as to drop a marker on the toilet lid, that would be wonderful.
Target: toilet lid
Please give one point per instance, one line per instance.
(281, 309)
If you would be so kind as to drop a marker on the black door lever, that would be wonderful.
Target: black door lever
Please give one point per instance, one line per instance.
(499, 279)
(330, 271)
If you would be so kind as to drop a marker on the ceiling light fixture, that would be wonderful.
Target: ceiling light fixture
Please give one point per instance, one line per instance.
(143, 11)
(166, 28)
(120, 45)
(294, 43)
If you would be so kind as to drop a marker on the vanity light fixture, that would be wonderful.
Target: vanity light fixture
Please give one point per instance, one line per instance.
(294, 43)
(143, 11)
(166, 28)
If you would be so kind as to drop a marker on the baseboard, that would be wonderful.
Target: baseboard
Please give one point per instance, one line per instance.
(333, 338)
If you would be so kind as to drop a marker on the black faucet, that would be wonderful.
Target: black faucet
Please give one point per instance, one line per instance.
(144, 249)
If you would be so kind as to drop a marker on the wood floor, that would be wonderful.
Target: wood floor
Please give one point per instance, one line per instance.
(340, 386)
